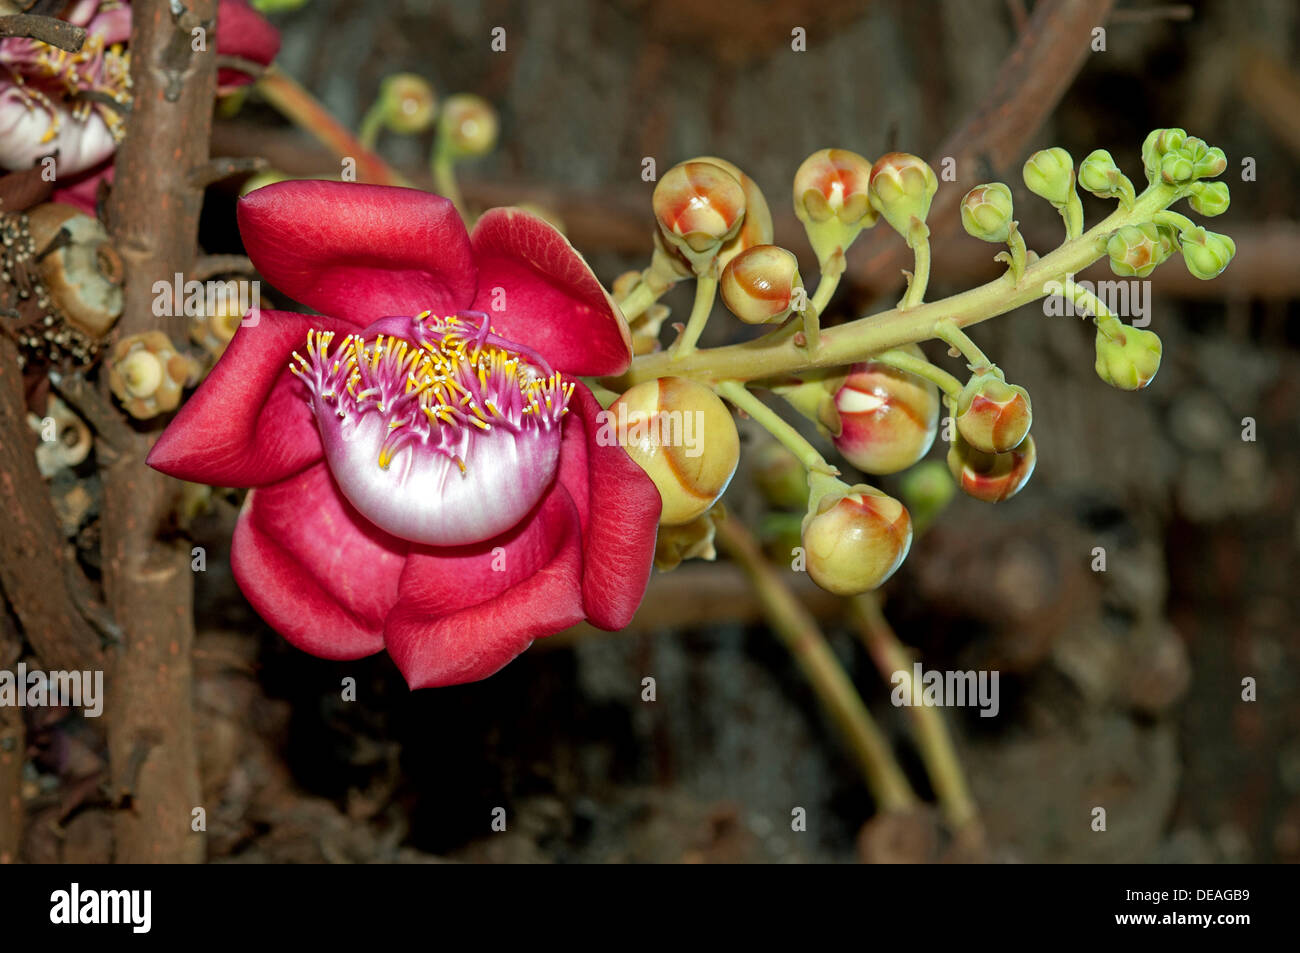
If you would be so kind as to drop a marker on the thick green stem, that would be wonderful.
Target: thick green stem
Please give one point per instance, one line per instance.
(1072, 212)
(706, 289)
(920, 277)
(638, 301)
(777, 354)
(826, 289)
(776, 425)
(797, 629)
(372, 124)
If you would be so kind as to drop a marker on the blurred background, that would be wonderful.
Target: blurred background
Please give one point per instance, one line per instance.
(1120, 689)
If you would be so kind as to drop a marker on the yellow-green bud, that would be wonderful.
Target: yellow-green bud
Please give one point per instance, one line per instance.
(986, 212)
(1130, 359)
(1176, 168)
(992, 415)
(1099, 174)
(1157, 145)
(1206, 253)
(1209, 198)
(855, 540)
(409, 103)
(902, 187)
(468, 125)
(1050, 174)
(1136, 250)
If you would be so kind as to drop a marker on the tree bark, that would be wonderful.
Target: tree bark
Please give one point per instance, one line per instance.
(153, 217)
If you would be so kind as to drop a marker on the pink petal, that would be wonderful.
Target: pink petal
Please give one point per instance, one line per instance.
(360, 252)
(619, 508)
(243, 32)
(551, 302)
(82, 191)
(249, 423)
(465, 612)
(314, 568)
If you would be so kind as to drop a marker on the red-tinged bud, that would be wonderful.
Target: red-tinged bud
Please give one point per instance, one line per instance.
(468, 125)
(992, 415)
(831, 198)
(757, 226)
(986, 212)
(902, 187)
(1136, 250)
(683, 436)
(761, 285)
(855, 540)
(991, 477)
(699, 207)
(888, 418)
(1130, 359)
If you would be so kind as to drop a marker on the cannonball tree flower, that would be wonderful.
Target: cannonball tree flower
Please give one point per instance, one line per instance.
(73, 105)
(426, 470)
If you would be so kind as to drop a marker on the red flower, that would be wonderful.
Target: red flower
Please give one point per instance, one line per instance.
(382, 514)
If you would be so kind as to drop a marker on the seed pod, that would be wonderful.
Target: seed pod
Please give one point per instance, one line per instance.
(759, 285)
(80, 267)
(855, 540)
(991, 477)
(992, 415)
(888, 418)
(685, 439)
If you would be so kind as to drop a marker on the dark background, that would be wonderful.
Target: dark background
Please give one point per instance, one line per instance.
(1119, 689)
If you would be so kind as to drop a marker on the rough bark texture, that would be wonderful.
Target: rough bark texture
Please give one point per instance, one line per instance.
(148, 583)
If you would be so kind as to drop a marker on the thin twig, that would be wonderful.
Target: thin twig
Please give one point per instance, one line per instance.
(51, 30)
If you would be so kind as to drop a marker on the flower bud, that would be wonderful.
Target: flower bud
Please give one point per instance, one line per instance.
(1050, 173)
(682, 435)
(992, 415)
(927, 491)
(1136, 250)
(1099, 174)
(888, 417)
(759, 285)
(986, 212)
(468, 125)
(1176, 168)
(757, 227)
(693, 540)
(1130, 359)
(832, 201)
(408, 102)
(1210, 164)
(855, 540)
(699, 207)
(781, 478)
(991, 477)
(1209, 198)
(1206, 253)
(146, 374)
(1157, 145)
(902, 187)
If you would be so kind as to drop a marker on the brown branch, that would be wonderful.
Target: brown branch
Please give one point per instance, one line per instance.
(13, 751)
(1031, 82)
(217, 170)
(32, 571)
(153, 215)
(49, 30)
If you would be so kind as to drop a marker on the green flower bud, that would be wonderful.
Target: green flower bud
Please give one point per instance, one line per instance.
(902, 187)
(468, 125)
(781, 478)
(927, 489)
(1209, 198)
(1158, 143)
(986, 212)
(855, 540)
(1176, 168)
(1212, 163)
(1135, 250)
(1130, 360)
(991, 477)
(992, 415)
(1050, 174)
(409, 103)
(1206, 253)
(1099, 174)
